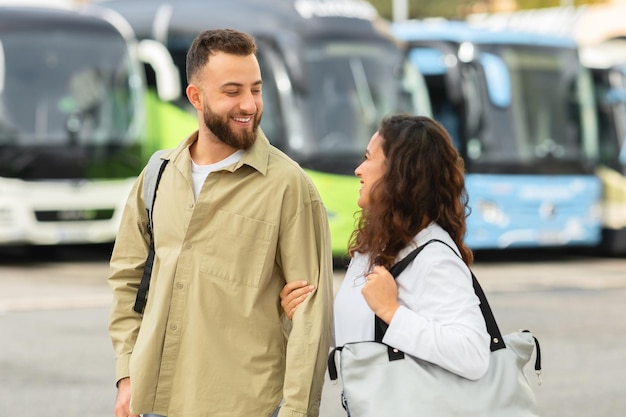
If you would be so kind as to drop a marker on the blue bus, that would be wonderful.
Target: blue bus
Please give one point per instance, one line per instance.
(520, 110)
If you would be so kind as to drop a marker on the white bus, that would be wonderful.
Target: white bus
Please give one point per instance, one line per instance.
(72, 121)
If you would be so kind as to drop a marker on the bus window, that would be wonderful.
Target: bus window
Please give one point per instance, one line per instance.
(72, 118)
(80, 85)
(345, 98)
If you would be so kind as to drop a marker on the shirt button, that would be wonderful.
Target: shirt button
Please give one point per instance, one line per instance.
(188, 245)
(179, 285)
(173, 327)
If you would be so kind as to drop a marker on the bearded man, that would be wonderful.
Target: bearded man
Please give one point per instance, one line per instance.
(234, 221)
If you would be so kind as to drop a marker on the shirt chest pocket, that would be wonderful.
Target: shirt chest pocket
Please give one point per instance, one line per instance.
(239, 249)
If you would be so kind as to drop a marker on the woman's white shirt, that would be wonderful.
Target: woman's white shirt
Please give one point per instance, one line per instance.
(439, 318)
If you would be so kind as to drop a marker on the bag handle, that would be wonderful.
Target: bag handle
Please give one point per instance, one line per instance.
(380, 327)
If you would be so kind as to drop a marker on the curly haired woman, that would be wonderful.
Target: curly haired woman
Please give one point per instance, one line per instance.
(412, 191)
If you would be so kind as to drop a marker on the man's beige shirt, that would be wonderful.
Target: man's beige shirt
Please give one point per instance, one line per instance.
(210, 341)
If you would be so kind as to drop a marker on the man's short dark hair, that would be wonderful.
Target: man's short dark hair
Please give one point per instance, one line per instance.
(212, 41)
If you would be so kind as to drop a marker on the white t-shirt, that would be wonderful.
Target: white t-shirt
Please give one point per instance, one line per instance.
(200, 172)
(439, 318)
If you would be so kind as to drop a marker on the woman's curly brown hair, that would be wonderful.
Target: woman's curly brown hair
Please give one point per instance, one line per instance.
(423, 182)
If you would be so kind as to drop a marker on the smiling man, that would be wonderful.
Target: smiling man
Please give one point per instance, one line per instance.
(235, 219)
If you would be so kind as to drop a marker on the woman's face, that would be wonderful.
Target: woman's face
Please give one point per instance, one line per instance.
(371, 169)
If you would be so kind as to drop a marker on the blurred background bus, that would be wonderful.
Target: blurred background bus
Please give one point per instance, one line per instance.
(520, 110)
(600, 33)
(72, 121)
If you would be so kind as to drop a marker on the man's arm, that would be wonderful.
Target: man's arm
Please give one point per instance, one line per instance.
(306, 254)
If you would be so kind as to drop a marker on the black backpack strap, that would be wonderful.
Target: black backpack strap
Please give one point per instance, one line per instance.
(150, 191)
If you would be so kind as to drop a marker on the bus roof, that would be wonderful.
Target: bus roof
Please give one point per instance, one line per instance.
(588, 24)
(458, 32)
(608, 54)
(17, 18)
(31, 17)
(310, 19)
(65, 4)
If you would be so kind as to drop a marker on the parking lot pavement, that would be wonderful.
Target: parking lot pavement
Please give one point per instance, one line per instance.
(564, 300)
(82, 284)
(53, 286)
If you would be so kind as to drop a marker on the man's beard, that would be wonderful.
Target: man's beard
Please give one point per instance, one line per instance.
(220, 128)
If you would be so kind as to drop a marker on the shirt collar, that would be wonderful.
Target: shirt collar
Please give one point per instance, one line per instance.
(256, 157)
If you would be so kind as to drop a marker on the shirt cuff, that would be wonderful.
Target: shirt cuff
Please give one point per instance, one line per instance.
(121, 367)
(404, 318)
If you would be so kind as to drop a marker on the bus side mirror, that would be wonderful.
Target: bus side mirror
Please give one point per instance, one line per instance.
(156, 55)
(498, 79)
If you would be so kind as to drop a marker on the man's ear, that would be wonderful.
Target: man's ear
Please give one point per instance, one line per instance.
(194, 95)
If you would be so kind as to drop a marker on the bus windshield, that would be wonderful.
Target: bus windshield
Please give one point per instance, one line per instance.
(546, 122)
(65, 90)
(350, 87)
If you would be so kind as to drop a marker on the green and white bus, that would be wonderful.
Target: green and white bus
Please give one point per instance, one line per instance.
(73, 121)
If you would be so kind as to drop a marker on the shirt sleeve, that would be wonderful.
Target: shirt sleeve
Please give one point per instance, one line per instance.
(126, 268)
(439, 319)
(305, 253)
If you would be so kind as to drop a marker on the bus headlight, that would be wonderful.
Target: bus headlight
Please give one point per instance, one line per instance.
(5, 215)
(491, 213)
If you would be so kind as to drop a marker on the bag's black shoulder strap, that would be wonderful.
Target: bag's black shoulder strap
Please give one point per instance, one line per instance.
(497, 342)
(154, 170)
(380, 327)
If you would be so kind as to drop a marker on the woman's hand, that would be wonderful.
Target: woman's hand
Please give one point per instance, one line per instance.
(381, 293)
(293, 294)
